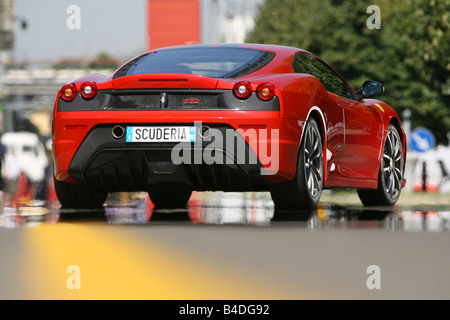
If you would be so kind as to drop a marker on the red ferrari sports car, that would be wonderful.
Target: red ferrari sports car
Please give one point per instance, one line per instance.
(229, 117)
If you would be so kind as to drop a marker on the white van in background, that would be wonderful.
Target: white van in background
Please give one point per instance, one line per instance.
(24, 153)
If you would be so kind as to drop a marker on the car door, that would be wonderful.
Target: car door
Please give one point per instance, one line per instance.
(362, 130)
(363, 134)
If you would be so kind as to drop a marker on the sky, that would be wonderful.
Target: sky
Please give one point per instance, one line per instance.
(106, 26)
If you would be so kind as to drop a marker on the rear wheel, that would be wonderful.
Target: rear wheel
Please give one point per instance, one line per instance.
(78, 196)
(390, 176)
(170, 199)
(304, 191)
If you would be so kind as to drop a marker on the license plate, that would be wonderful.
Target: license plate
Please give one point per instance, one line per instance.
(161, 134)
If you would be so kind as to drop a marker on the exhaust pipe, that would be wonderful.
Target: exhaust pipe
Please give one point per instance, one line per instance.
(118, 132)
(205, 132)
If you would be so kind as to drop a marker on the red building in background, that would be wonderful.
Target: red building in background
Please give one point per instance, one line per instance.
(173, 22)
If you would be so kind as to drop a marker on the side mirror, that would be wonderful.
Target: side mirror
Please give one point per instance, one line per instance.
(369, 89)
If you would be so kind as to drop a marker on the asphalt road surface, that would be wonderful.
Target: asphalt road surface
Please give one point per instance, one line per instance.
(225, 246)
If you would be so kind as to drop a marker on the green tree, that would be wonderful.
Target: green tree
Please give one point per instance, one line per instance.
(409, 54)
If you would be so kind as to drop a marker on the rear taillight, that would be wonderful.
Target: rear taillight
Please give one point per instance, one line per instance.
(242, 89)
(68, 92)
(266, 91)
(88, 90)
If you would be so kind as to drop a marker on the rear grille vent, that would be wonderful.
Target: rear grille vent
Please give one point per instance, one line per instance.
(154, 101)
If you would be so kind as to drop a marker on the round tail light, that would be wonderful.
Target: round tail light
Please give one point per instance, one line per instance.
(266, 91)
(68, 92)
(88, 90)
(242, 89)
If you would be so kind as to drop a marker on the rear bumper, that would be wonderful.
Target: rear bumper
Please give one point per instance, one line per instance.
(85, 151)
(112, 164)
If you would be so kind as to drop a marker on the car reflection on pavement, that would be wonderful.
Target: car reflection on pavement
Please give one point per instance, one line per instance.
(219, 208)
(28, 214)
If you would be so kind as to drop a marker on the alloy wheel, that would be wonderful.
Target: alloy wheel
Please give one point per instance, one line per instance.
(392, 164)
(313, 161)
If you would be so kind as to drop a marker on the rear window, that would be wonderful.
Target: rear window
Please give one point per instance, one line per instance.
(207, 61)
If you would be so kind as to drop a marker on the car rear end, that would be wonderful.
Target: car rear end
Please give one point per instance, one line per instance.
(174, 119)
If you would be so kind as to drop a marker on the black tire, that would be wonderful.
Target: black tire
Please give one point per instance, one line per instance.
(176, 199)
(77, 196)
(304, 191)
(390, 176)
